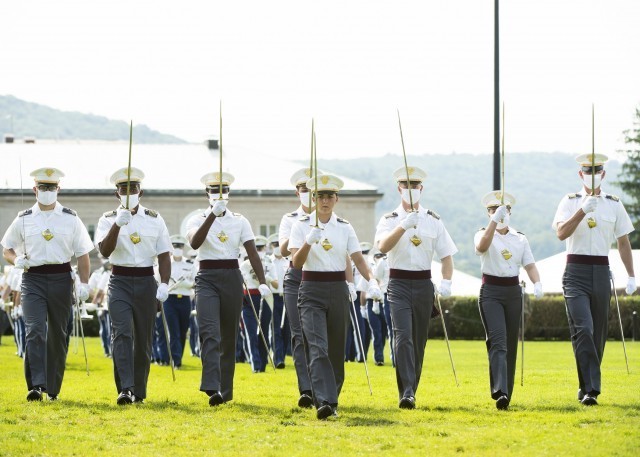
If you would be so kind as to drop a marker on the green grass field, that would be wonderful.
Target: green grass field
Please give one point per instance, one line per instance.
(263, 419)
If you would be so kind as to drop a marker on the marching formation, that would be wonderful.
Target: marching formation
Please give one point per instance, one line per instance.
(312, 290)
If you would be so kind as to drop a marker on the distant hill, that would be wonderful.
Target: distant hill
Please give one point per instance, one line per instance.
(42, 122)
(456, 182)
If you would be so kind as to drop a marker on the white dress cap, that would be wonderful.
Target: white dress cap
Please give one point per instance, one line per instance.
(325, 182)
(585, 160)
(273, 238)
(415, 174)
(47, 175)
(494, 198)
(179, 239)
(213, 179)
(302, 176)
(120, 176)
(365, 246)
(261, 241)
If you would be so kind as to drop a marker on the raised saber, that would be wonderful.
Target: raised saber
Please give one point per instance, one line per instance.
(624, 346)
(129, 167)
(311, 169)
(593, 153)
(315, 174)
(220, 148)
(404, 154)
(502, 159)
(24, 235)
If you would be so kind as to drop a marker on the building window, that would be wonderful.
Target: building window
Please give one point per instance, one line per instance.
(266, 230)
(92, 230)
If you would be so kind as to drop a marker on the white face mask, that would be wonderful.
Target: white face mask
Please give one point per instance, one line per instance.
(213, 198)
(586, 179)
(261, 254)
(177, 252)
(415, 195)
(47, 198)
(134, 200)
(304, 199)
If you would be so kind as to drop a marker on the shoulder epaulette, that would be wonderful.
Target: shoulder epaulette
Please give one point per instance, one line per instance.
(237, 214)
(389, 215)
(433, 214)
(521, 233)
(26, 212)
(69, 211)
(150, 212)
(189, 260)
(481, 229)
(110, 213)
(344, 221)
(613, 197)
(574, 195)
(304, 218)
(294, 214)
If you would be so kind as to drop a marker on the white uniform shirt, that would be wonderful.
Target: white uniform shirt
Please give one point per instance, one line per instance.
(435, 240)
(152, 232)
(280, 266)
(186, 271)
(513, 245)
(234, 226)
(338, 232)
(250, 277)
(381, 273)
(612, 222)
(70, 237)
(286, 223)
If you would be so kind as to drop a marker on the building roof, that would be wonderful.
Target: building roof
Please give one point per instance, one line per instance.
(462, 284)
(88, 166)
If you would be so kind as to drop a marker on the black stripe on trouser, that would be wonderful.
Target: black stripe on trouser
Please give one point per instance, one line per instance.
(587, 292)
(292, 279)
(500, 311)
(132, 305)
(46, 306)
(410, 301)
(219, 304)
(324, 313)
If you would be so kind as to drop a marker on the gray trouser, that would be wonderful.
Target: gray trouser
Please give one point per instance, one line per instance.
(587, 292)
(219, 304)
(46, 304)
(410, 302)
(500, 311)
(133, 306)
(291, 283)
(324, 313)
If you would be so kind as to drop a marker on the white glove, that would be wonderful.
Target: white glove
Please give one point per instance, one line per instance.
(264, 291)
(410, 221)
(123, 217)
(537, 290)
(374, 292)
(589, 205)
(376, 307)
(163, 292)
(352, 291)
(631, 286)
(363, 312)
(445, 288)
(219, 207)
(500, 214)
(313, 236)
(21, 262)
(505, 220)
(194, 312)
(83, 292)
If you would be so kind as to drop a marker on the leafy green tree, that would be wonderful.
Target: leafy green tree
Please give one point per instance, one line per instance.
(630, 177)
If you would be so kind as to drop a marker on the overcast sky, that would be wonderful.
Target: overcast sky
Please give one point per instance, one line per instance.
(348, 64)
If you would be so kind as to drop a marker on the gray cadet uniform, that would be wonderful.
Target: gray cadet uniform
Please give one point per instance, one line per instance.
(410, 290)
(50, 239)
(500, 303)
(587, 290)
(218, 298)
(132, 294)
(292, 280)
(323, 303)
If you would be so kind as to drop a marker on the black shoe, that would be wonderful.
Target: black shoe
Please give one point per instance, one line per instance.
(379, 364)
(52, 397)
(580, 395)
(502, 402)
(216, 399)
(305, 400)
(138, 400)
(589, 400)
(280, 365)
(125, 397)
(407, 403)
(324, 411)
(35, 394)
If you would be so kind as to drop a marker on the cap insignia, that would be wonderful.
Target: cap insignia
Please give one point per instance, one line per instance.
(324, 179)
(49, 172)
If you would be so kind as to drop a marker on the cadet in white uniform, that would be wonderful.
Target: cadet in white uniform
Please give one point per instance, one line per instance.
(217, 234)
(324, 300)
(177, 308)
(502, 252)
(411, 237)
(131, 237)
(590, 224)
(41, 241)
